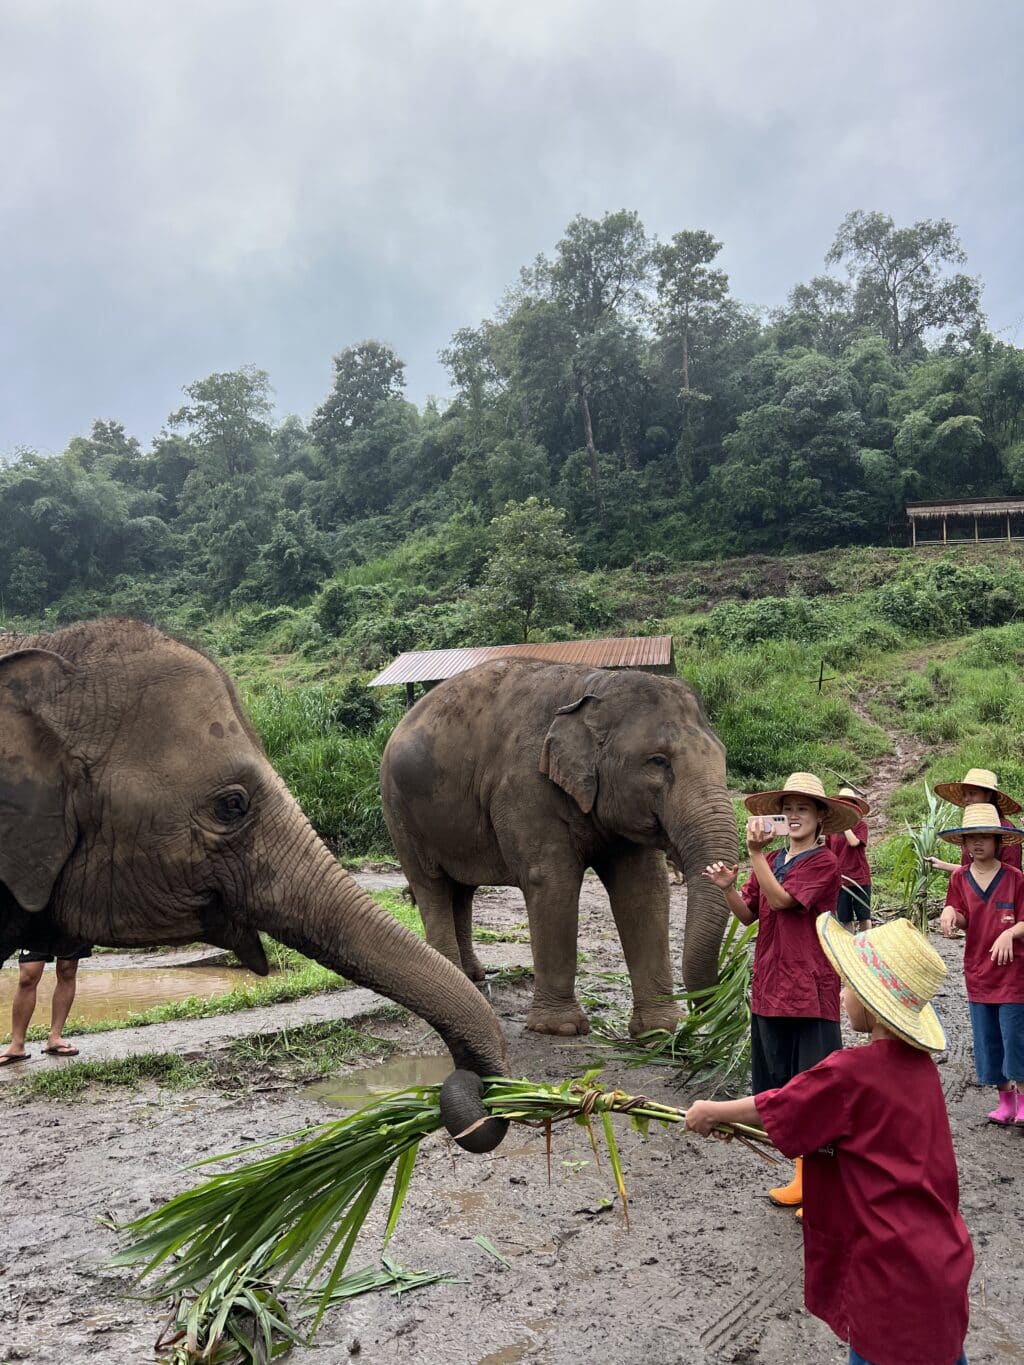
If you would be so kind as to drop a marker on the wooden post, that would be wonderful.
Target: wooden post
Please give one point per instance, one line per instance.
(1007, 528)
(913, 531)
(975, 530)
(410, 694)
(944, 539)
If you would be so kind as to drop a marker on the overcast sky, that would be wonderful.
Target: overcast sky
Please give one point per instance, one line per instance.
(190, 185)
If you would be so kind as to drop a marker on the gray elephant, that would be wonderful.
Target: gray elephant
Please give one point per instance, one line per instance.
(523, 773)
(137, 807)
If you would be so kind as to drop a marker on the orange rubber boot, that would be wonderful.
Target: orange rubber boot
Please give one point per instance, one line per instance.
(792, 1195)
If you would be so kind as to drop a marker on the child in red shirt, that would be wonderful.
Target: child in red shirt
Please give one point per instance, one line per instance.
(881, 1176)
(794, 1001)
(979, 787)
(987, 899)
(851, 850)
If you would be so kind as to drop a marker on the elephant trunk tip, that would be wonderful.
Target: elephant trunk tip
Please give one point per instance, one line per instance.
(465, 1116)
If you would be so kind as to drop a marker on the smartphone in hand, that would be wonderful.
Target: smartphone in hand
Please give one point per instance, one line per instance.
(777, 826)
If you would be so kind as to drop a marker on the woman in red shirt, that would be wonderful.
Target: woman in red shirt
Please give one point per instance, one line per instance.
(794, 1000)
(851, 849)
(883, 1192)
(987, 899)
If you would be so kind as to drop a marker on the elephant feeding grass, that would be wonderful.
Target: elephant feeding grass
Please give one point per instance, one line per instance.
(524, 773)
(137, 807)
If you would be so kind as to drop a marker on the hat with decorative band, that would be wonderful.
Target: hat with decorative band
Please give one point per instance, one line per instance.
(986, 781)
(981, 819)
(894, 972)
(839, 815)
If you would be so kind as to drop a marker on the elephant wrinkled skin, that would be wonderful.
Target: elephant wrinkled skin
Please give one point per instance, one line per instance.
(137, 807)
(524, 773)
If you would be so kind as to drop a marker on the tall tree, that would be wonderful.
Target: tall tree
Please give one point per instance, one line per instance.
(527, 580)
(900, 282)
(690, 291)
(365, 376)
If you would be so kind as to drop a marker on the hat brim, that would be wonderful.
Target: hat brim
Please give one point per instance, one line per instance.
(954, 793)
(839, 815)
(958, 835)
(862, 804)
(921, 1030)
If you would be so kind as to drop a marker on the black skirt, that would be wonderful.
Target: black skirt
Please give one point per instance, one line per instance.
(781, 1047)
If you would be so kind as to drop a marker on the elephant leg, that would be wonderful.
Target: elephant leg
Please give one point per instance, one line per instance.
(462, 911)
(552, 907)
(435, 900)
(637, 883)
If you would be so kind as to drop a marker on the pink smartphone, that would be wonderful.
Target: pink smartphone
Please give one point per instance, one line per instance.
(776, 825)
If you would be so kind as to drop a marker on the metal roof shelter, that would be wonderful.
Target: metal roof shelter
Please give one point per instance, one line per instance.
(993, 516)
(652, 653)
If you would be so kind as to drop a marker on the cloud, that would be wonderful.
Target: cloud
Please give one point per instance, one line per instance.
(189, 187)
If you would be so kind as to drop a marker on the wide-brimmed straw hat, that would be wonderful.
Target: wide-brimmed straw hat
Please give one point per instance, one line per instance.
(839, 815)
(981, 819)
(855, 799)
(893, 971)
(978, 777)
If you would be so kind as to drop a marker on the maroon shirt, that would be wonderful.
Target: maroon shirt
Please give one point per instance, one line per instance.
(1008, 854)
(792, 976)
(853, 862)
(887, 1257)
(1000, 906)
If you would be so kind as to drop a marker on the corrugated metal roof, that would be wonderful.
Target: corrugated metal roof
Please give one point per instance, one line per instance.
(432, 665)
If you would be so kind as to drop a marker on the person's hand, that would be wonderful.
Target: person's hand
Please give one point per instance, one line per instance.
(1001, 951)
(701, 1117)
(947, 921)
(722, 875)
(757, 836)
(931, 861)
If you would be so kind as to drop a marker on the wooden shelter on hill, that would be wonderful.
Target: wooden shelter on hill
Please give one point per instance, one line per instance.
(989, 518)
(652, 653)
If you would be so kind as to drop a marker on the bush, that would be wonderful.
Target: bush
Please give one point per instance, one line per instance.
(740, 624)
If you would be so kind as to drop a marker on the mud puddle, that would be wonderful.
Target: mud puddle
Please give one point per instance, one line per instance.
(115, 994)
(396, 1073)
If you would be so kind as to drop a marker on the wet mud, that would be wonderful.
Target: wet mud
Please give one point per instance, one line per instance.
(706, 1271)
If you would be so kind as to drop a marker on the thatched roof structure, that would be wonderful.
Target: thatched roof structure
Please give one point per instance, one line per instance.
(981, 513)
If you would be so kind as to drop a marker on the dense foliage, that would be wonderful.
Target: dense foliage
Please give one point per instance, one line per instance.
(618, 382)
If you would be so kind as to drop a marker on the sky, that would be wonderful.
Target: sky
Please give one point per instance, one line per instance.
(187, 186)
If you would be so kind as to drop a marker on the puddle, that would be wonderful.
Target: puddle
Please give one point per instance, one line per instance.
(516, 1350)
(114, 994)
(394, 1074)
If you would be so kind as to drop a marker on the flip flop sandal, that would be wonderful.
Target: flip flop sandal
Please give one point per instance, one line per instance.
(63, 1050)
(9, 1058)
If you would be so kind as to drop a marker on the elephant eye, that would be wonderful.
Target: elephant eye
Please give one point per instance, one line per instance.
(659, 761)
(231, 807)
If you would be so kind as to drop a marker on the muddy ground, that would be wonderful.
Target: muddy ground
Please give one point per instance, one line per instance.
(707, 1271)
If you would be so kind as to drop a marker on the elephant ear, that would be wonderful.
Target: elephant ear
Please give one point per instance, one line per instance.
(36, 831)
(569, 755)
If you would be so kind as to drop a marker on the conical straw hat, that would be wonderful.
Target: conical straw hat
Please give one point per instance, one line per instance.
(854, 798)
(894, 971)
(978, 777)
(839, 815)
(981, 819)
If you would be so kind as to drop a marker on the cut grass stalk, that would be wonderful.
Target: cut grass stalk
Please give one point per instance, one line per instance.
(293, 1216)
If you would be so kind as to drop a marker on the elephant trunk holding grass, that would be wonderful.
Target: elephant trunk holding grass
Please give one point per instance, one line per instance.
(137, 807)
(524, 773)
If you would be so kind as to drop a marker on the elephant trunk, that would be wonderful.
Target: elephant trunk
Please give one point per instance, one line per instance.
(331, 919)
(709, 836)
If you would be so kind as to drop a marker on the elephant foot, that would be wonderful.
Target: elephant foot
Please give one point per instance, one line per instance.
(566, 1021)
(474, 968)
(652, 1017)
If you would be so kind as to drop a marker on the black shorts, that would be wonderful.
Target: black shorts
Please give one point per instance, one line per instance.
(781, 1047)
(854, 904)
(48, 943)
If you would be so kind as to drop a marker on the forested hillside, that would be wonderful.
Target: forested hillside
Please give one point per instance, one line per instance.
(653, 417)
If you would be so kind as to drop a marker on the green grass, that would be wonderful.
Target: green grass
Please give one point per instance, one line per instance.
(311, 1049)
(167, 1069)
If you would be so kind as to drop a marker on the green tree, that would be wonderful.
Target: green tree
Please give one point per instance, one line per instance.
(365, 376)
(900, 282)
(690, 291)
(528, 578)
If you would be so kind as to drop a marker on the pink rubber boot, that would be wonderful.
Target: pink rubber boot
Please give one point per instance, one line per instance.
(1006, 1110)
(1020, 1108)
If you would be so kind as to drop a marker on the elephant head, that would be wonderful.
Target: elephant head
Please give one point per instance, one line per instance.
(636, 753)
(137, 806)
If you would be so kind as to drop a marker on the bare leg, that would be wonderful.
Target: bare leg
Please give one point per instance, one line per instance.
(23, 1006)
(63, 999)
(462, 912)
(552, 907)
(638, 890)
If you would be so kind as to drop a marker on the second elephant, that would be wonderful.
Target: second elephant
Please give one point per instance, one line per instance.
(523, 773)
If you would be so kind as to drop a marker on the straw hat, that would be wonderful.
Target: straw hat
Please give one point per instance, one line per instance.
(855, 799)
(894, 972)
(839, 815)
(978, 777)
(981, 819)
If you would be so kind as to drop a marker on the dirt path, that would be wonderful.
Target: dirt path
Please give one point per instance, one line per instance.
(905, 762)
(707, 1271)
